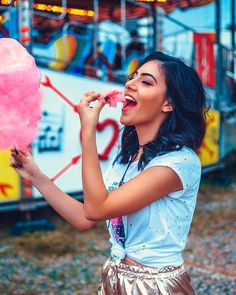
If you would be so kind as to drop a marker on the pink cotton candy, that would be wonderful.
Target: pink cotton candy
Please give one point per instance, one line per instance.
(20, 97)
(114, 96)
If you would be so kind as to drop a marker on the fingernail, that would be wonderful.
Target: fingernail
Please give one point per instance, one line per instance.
(14, 150)
(16, 165)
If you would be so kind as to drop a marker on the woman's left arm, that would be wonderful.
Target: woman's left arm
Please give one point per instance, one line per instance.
(150, 185)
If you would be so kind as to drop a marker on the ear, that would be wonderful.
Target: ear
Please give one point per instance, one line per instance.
(167, 107)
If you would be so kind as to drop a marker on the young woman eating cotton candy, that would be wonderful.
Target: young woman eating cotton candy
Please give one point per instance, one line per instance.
(148, 195)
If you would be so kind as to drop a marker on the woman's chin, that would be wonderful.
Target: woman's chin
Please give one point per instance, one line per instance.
(124, 121)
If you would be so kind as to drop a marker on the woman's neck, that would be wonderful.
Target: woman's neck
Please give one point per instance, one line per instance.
(139, 154)
(146, 133)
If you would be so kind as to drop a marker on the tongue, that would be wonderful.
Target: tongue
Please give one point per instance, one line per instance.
(129, 105)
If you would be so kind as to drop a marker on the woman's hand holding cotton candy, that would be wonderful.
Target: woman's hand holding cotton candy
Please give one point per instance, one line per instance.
(24, 164)
(20, 96)
(89, 115)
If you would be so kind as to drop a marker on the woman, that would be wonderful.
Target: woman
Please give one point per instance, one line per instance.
(148, 194)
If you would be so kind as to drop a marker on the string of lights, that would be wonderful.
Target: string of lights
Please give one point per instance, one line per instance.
(52, 8)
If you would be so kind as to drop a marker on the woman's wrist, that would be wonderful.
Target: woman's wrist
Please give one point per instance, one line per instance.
(39, 178)
(88, 131)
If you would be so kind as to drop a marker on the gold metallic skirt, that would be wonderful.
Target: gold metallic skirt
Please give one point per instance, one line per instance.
(124, 279)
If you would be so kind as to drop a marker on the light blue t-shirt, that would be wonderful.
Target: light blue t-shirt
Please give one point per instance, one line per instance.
(156, 235)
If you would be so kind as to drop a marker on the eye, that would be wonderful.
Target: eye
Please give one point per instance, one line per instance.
(130, 77)
(146, 82)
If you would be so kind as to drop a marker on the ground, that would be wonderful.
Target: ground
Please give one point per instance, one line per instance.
(66, 262)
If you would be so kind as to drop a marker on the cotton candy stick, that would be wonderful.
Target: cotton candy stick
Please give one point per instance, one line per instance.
(20, 98)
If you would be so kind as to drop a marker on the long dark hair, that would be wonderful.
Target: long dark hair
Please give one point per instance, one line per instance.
(185, 125)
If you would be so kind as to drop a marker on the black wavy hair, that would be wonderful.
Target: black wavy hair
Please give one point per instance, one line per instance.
(184, 126)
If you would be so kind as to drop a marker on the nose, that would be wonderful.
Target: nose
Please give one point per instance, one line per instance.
(130, 84)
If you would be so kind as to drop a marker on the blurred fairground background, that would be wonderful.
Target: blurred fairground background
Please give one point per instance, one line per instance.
(89, 45)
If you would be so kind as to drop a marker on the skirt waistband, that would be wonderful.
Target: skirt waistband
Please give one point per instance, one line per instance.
(163, 273)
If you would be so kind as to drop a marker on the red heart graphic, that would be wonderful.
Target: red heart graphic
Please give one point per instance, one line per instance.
(100, 127)
(104, 156)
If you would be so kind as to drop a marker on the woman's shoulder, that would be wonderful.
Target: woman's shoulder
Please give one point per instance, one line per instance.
(185, 155)
(184, 162)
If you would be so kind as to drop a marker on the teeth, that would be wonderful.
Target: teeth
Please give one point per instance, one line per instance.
(129, 98)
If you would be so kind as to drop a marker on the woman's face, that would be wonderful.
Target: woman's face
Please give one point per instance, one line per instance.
(145, 95)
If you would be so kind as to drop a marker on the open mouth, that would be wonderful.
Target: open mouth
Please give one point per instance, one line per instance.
(129, 104)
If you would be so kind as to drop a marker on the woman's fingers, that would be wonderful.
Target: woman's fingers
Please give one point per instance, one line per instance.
(100, 104)
(15, 165)
(18, 157)
(89, 93)
(22, 162)
(16, 152)
(15, 161)
(15, 155)
(89, 115)
(24, 153)
(93, 96)
(89, 97)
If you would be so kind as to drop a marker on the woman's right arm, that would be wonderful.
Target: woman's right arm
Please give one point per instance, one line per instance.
(69, 208)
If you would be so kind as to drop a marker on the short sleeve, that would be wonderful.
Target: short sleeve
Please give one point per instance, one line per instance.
(184, 163)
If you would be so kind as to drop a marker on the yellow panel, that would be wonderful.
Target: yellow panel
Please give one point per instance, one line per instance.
(9, 179)
(209, 151)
